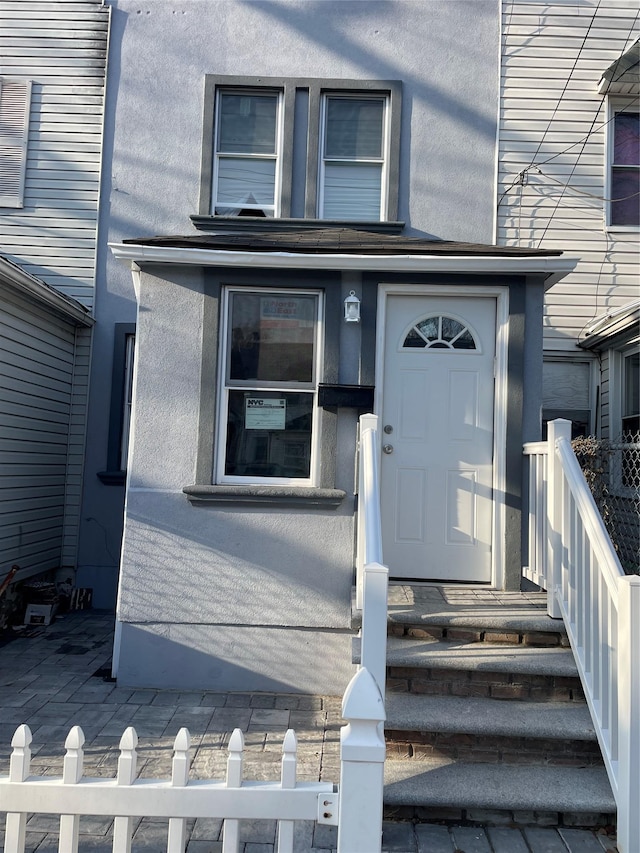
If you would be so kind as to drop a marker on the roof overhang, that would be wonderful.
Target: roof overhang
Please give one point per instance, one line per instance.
(622, 77)
(13, 276)
(618, 327)
(552, 268)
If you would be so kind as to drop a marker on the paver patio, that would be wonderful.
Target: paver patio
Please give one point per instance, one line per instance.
(56, 677)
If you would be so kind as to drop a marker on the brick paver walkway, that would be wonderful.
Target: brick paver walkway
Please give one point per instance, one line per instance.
(53, 678)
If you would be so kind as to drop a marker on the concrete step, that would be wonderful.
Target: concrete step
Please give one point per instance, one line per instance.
(458, 790)
(478, 657)
(479, 716)
(471, 730)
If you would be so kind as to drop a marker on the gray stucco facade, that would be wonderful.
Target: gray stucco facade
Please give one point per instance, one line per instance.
(161, 56)
(249, 586)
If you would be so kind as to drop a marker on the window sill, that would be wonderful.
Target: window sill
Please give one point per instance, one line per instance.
(112, 478)
(259, 495)
(235, 224)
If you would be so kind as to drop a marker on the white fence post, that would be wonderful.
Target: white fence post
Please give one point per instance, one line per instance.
(628, 799)
(235, 762)
(288, 780)
(362, 753)
(555, 430)
(16, 824)
(71, 775)
(126, 774)
(177, 837)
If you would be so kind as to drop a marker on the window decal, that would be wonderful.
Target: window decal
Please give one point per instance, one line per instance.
(439, 332)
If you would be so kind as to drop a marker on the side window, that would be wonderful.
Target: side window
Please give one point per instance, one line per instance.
(624, 169)
(246, 172)
(268, 408)
(121, 401)
(15, 99)
(353, 158)
(631, 393)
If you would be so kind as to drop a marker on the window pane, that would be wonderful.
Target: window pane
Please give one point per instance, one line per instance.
(272, 337)
(430, 328)
(246, 181)
(625, 186)
(269, 434)
(247, 123)
(631, 403)
(352, 191)
(450, 328)
(626, 146)
(354, 128)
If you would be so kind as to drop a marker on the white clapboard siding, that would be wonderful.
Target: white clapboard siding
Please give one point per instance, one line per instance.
(61, 48)
(553, 56)
(37, 387)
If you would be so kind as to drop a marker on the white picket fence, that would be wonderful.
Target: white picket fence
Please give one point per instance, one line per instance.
(571, 556)
(232, 799)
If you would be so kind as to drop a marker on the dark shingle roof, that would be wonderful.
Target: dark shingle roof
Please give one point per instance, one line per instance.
(337, 241)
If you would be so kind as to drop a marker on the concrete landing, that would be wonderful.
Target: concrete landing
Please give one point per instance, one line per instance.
(469, 606)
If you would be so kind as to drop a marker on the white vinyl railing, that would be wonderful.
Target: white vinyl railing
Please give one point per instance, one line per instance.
(351, 806)
(571, 555)
(372, 576)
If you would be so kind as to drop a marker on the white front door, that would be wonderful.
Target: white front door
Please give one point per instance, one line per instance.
(437, 437)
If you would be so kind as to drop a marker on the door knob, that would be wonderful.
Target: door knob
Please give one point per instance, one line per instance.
(387, 448)
(388, 429)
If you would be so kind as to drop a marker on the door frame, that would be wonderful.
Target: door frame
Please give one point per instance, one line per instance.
(501, 296)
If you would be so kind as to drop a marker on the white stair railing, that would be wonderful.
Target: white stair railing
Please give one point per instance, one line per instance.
(571, 555)
(372, 576)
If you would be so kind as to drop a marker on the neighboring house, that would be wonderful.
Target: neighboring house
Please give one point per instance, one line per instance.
(569, 177)
(276, 169)
(52, 77)
(43, 356)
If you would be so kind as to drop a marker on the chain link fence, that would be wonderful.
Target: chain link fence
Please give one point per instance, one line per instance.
(612, 470)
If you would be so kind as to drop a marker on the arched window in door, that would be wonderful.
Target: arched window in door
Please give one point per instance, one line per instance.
(440, 332)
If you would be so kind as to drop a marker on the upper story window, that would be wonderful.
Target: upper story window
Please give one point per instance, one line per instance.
(624, 169)
(247, 144)
(352, 163)
(303, 149)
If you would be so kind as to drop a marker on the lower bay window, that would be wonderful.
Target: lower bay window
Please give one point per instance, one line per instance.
(270, 366)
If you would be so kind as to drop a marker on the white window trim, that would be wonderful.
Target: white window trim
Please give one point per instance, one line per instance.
(275, 208)
(615, 105)
(15, 103)
(223, 408)
(383, 160)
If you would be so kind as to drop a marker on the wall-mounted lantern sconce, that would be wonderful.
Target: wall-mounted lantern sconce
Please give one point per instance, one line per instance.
(352, 308)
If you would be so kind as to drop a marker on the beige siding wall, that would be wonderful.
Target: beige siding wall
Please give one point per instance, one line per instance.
(553, 129)
(61, 47)
(36, 390)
